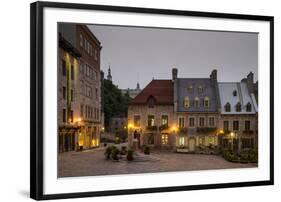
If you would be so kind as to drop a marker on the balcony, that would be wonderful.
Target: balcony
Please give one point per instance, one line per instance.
(206, 129)
(249, 132)
(163, 127)
(151, 128)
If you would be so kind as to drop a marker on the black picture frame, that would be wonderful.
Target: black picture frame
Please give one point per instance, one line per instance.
(36, 98)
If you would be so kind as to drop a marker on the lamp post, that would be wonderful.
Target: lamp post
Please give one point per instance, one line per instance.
(232, 137)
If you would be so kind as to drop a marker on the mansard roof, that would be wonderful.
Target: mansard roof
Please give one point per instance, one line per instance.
(160, 90)
(184, 90)
(227, 95)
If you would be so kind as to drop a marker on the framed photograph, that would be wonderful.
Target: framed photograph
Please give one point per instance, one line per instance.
(131, 100)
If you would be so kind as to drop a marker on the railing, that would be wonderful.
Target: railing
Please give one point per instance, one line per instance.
(163, 127)
(206, 129)
(151, 128)
(248, 132)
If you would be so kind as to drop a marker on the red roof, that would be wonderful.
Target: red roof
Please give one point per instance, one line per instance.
(160, 90)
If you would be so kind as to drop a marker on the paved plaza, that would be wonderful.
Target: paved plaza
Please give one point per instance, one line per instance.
(93, 162)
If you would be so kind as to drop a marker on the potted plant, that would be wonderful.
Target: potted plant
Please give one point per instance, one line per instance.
(107, 152)
(115, 154)
(146, 150)
(130, 154)
(123, 150)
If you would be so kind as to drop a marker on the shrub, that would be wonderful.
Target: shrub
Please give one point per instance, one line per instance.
(107, 152)
(253, 156)
(123, 150)
(115, 153)
(130, 154)
(146, 150)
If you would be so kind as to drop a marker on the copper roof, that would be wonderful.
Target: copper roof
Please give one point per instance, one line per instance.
(160, 90)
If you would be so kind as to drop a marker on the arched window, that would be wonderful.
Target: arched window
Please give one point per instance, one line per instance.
(206, 102)
(234, 93)
(151, 102)
(200, 89)
(248, 107)
(190, 89)
(227, 107)
(186, 102)
(238, 107)
(196, 102)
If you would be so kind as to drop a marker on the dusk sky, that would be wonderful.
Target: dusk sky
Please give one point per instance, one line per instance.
(140, 54)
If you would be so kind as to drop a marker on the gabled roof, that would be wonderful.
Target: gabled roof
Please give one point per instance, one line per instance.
(209, 90)
(243, 97)
(160, 90)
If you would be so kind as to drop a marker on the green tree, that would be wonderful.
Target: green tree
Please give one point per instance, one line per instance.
(114, 102)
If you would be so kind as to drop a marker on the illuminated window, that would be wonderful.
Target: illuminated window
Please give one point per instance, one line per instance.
(186, 102)
(181, 141)
(164, 120)
(164, 139)
(150, 120)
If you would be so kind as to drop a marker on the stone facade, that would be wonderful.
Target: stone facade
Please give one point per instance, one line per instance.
(79, 88)
(194, 115)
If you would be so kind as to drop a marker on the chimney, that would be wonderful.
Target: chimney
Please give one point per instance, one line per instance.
(174, 73)
(213, 75)
(250, 82)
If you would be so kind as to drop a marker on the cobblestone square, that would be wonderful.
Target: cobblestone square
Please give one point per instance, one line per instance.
(93, 162)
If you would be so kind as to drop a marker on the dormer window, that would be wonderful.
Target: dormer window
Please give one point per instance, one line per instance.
(190, 89)
(196, 102)
(234, 93)
(238, 107)
(206, 102)
(151, 102)
(186, 102)
(248, 107)
(200, 89)
(227, 107)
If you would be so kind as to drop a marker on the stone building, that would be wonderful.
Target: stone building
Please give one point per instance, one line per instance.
(197, 105)
(151, 116)
(79, 88)
(195, 113)
(132, 92)
(239, 114)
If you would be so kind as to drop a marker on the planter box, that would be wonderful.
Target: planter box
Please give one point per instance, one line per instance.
(182, 150)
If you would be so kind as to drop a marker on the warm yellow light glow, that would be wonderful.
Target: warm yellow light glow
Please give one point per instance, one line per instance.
(79, 119)
(130, 126)
(125, 127)
(221, 131)
(175, 128)
(93, 142)
(102, 128)
(232, 134)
